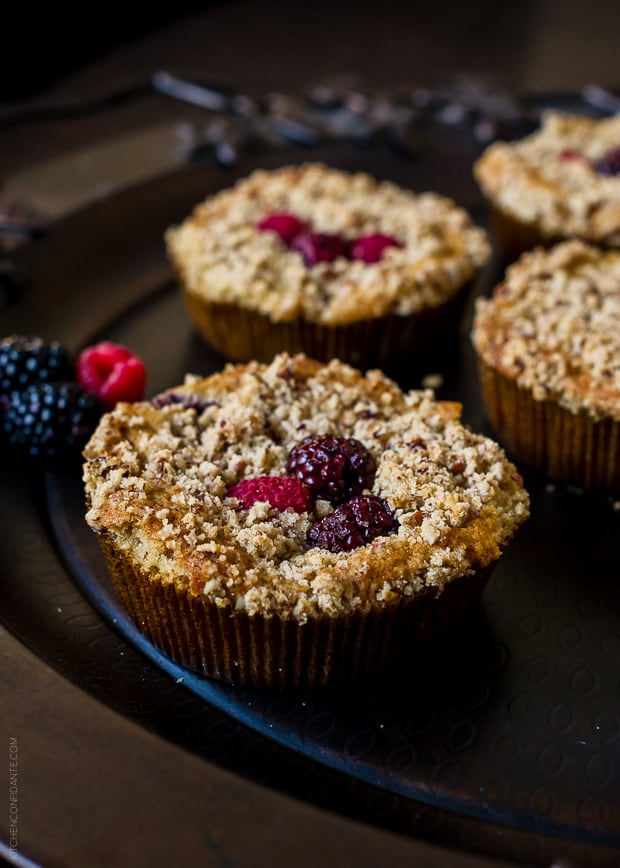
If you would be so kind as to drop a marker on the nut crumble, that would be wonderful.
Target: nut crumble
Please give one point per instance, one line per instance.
(553, 327)
(157, 475)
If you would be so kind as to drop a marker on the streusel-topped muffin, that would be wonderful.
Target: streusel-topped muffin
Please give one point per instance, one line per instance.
(313, 259)
(548, 343)
(287, 524)
(560, 182)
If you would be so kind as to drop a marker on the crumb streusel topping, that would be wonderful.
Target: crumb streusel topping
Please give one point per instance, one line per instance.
(548, 180)
(157, 479)
(554, 327)
(222, 257)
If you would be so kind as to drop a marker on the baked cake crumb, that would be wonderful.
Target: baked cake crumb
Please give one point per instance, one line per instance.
(432, 381)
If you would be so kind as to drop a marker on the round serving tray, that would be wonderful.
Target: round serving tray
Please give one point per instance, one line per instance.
(503, 742)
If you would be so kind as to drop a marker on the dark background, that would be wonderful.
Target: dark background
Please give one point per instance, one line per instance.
(258, 46)
(40, 47)
(549, 42)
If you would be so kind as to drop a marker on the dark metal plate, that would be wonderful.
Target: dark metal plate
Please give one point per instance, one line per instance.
(504, 741)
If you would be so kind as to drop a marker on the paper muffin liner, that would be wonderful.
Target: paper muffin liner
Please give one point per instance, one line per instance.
(259, 651)
(241, 334)
(567, 446)
(512, 237)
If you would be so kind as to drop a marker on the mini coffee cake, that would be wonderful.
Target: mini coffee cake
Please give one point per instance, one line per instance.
(560, 182)
(336, 265)
(548, 345)
(293, 523)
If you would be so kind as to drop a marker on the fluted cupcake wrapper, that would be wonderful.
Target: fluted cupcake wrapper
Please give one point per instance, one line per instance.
(512, 237)
(260, 651)
(567, 446)
(242, 334)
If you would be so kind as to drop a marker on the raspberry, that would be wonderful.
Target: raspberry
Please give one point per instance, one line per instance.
(112, 373)
(50, 420)
(568, 155)
(353, 524)
(318, 247)
(609, 163)
(26, 359)
(287, 226)
(281, 492)
(333, 468)
(369, 248)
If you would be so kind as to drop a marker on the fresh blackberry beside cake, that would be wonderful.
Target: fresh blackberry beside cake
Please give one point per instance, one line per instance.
(297, 523)
(562, 181)
(548, 346)
(50, 405)
(335, 265)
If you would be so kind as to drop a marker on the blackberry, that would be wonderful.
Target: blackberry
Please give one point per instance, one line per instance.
(333, 468)
(353, 524)
(318, 247)
(50, 420)
(26, 359)
(189, 402)
(609, 163)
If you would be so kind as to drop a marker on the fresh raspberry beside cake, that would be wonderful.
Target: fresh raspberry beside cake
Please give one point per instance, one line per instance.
(316, 260)
(293, 524)
(548, 346)
(561, 182)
